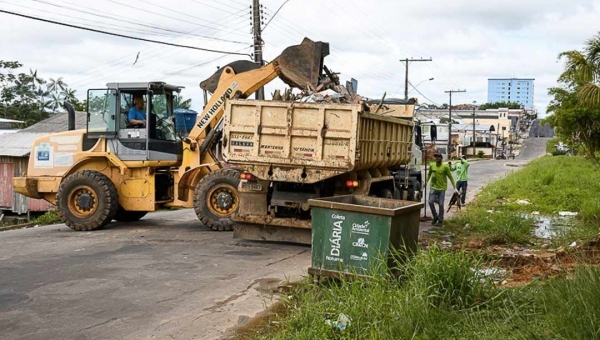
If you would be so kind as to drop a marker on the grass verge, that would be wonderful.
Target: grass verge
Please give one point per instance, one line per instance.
(502, 211)
(442, 295)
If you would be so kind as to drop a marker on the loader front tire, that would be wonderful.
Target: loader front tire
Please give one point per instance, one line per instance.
(87, 200)
(216, 199)
(123, 215)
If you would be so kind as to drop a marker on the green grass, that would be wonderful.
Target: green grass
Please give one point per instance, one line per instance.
(499, 227)
(441, 296)
(50, 217)
(551, 185)
(551, 146)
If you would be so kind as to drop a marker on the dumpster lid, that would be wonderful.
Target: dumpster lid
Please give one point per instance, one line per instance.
(367, 204)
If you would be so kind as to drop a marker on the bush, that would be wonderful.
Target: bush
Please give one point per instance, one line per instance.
(559, 152)
(49, 217)
(480, 154)
(449, 280)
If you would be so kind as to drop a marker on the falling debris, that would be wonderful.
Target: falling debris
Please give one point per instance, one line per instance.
(136, 58)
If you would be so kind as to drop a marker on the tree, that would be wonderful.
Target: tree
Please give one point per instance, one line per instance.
(445, 120)
(499, 105)
(30, 98)
(20, 94)
(583, 69)
(181, 103)
(575, 109)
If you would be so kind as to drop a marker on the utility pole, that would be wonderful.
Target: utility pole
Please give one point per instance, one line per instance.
(257, 33)
(406, 62)
(450, 119)
(474, 138)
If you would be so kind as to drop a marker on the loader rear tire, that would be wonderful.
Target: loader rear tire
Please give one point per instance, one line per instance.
(123, 215)
(87, 200)
(216, 199)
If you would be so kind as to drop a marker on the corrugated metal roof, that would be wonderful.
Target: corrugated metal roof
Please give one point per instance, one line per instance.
(18, 144)
(58, 123)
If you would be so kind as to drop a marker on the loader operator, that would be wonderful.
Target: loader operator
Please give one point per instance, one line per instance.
(136, 115)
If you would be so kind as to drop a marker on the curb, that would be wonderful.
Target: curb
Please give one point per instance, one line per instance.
(19, 226)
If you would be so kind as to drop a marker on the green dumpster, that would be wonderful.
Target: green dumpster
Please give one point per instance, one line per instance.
(350, 232)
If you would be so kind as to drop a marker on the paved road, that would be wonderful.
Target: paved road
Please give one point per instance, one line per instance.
(164, 277)
(541, 130)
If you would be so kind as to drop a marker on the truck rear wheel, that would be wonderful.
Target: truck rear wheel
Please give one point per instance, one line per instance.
(414, 192)
(216, 199)
(87, 200)
(123, 215)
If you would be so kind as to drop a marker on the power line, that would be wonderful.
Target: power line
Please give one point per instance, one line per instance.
(152, 53)
(182, 13)
(121, 19)
(277, 11)
(424, 96)
(407, 62)
(100, 24)
(160, 14)
(206, 5)
(120, 35)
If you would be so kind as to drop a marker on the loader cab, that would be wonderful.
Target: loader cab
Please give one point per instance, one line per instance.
(118, 113)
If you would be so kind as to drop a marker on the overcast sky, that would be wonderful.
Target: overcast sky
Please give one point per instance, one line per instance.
(469, 41)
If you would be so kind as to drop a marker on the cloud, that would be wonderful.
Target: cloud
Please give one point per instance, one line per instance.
(468, 40)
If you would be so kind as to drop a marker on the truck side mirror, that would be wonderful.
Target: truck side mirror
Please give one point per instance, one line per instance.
(433, 132)
(418, 136)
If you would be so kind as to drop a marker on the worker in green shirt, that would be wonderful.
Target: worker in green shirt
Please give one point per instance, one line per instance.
(462, 177)
(439, 174)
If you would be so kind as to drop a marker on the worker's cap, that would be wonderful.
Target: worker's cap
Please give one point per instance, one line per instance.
(463, 157)
(437, 155)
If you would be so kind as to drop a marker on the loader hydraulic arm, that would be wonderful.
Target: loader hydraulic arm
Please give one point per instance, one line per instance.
(299, 66)
(230, 86)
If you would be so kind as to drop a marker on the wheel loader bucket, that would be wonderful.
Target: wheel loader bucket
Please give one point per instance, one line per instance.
(302, 65)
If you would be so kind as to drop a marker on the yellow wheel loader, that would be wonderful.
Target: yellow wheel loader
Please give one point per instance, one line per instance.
(130, 160)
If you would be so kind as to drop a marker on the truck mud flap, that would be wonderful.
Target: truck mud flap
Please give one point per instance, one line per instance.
(256, 232)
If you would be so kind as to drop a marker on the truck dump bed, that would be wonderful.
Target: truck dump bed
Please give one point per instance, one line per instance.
(309, 142)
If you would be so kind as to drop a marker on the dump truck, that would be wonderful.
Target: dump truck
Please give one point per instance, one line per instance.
(290, 152)
(121, 167)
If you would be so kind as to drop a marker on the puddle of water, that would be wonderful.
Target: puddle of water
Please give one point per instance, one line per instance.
(549, 227)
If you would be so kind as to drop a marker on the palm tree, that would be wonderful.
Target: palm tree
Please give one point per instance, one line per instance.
(68, 94)
(582, 69)
(181, 103)
(55, 101)
(56, 85)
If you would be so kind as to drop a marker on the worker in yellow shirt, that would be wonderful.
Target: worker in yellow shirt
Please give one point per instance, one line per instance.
(439, 174)
(462, 176)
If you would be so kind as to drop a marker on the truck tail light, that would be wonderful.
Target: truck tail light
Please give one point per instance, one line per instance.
(245, 175)
(351, 184)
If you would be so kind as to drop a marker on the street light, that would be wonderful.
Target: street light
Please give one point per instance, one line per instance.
(421, 82)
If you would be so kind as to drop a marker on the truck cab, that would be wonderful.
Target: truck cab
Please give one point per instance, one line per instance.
(118, 113)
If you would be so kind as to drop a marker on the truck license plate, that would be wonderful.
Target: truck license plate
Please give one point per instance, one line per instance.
(251, 186)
